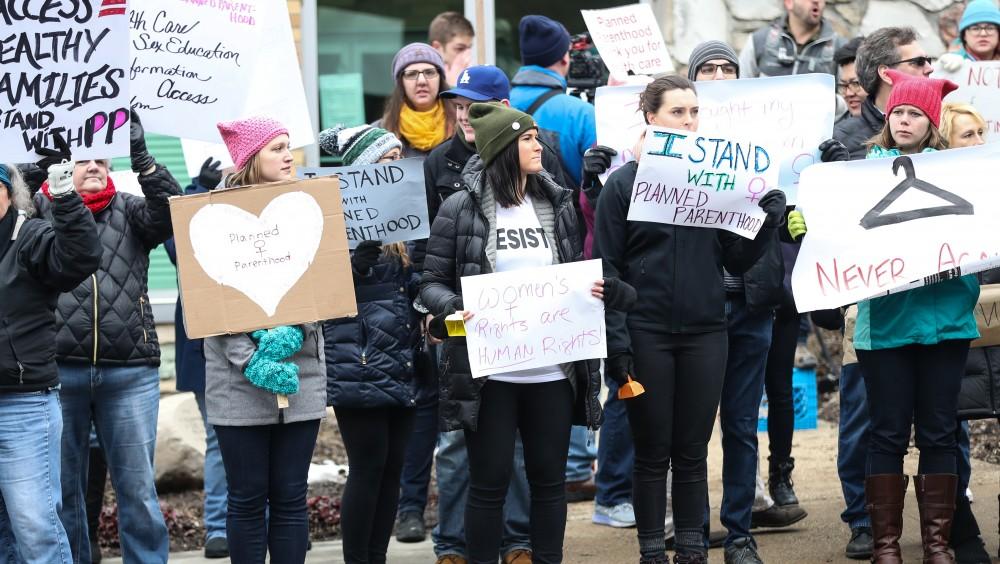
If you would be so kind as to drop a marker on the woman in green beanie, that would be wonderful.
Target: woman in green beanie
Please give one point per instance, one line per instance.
(507, 191)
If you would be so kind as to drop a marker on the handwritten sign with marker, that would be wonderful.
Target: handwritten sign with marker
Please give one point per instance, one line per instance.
(198, 62)
(978, 84)
(534, 317)
(63, 70)
(382, 202)
(685, 178)
(882, 226)
(629, 39)
(262, 256)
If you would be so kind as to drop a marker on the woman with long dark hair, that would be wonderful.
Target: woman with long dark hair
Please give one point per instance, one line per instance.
(507, 189)
(674, 342)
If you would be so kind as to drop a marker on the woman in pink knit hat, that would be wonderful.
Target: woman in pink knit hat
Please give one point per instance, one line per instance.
(265, 404)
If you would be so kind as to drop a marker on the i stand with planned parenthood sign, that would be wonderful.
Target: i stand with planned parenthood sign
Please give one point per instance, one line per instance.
(882, 226)
(383, 202)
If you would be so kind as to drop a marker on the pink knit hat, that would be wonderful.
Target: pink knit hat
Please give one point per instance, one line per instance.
(924, 93)
(244, 137)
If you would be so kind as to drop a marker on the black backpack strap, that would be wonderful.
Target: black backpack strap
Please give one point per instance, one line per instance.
(541, 100)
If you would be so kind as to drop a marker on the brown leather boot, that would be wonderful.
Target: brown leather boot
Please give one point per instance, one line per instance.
(936, 499)
(884, 494)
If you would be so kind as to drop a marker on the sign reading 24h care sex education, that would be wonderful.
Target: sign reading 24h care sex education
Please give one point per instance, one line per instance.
(685, 178)
(534, 317)
(382, 202)
(888, 225)
(62, 70)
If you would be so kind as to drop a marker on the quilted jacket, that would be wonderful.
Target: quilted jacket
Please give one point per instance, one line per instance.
(107, 320)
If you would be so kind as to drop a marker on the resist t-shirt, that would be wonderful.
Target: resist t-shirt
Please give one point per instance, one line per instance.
(521, 243)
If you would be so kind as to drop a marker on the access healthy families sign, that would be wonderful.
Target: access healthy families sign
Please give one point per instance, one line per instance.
(63, 71)
(261, 256)
(882, 226)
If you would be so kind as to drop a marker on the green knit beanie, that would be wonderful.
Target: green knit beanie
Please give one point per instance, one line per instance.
(497, 126)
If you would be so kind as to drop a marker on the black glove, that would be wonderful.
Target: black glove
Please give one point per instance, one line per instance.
(618, 294)
(33, 175)
(53, 156)
(211, 174)
(832, 150)
(366, 256)
(596, 161)
(619, 367)
(141, 159)
(774, 204)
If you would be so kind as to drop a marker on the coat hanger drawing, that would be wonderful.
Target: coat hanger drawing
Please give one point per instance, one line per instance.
(876, 218)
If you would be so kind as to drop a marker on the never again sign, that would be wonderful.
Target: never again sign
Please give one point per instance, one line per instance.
(382, 202)
(63, 71)
(701, 181)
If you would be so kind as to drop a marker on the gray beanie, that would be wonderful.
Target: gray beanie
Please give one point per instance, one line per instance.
(707, 51)
(417, 53)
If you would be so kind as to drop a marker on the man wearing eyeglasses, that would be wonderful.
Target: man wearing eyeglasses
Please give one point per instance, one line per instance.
(799, 42)
(848, 86)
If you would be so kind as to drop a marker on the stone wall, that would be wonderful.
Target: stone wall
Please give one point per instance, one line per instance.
(686, 23)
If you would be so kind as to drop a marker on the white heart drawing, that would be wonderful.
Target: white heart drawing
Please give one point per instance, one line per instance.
(261, 256)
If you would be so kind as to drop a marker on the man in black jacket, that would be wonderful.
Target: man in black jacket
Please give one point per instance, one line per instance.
(38, 260)
(108, 354)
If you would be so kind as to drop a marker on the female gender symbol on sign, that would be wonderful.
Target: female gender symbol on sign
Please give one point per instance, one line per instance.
(875, 218)
(755, 194)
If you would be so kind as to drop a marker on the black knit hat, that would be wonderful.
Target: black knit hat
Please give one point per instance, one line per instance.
(707, 51)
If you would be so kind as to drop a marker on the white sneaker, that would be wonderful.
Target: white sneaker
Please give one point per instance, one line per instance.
(968, 494)
(620, 516)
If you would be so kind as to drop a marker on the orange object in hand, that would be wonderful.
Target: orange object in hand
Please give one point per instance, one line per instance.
(631, 389)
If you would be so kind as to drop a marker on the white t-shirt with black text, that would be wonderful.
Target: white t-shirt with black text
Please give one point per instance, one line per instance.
(521, 243)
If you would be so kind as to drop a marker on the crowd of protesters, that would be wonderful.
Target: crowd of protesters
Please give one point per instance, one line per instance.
(702, 318)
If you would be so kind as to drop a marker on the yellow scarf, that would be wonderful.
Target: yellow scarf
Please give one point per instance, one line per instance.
(423, 130)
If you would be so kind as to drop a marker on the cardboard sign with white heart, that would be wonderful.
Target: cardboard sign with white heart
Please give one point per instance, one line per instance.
(262, 256)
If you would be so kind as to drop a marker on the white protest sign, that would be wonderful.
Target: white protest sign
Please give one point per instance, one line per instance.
(63, 70)
(382, 202)
(880, 226)
(534, 317)
(198, 62)
(979, 85)
(792, 115)
(629, 39)
(196, 152)
(686, 178)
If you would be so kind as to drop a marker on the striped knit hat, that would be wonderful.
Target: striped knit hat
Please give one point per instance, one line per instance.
(359, 145)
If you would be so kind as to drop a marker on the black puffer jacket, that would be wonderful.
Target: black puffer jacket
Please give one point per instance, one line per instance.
(458, 247)
(107, 320)
(676, 270)
(980, 395)
(370, 357)
(43, 259)
(854, 131)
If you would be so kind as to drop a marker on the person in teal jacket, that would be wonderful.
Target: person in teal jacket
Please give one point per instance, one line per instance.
(912, 347)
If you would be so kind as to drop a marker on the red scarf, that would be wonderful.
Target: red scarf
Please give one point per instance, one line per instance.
(95, 201)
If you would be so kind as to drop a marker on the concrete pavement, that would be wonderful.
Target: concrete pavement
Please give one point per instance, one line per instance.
(820, 538)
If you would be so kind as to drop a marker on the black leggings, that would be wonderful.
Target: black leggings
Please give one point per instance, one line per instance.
(671, 425)
(543, 413)
(778, 382)
(267, 467)
(375, 440)
(918, 386)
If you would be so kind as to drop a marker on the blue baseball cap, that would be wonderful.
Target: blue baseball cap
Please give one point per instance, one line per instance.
(481, 83)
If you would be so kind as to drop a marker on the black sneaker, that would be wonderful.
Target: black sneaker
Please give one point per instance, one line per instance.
(861, 545)
(217, 547)
(742, 551)
(411, 528)
(776, 516)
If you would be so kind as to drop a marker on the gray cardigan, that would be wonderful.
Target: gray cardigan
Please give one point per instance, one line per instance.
(232, 400)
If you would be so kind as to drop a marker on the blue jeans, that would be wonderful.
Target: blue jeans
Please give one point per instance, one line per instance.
(418, 459)
(615, 452)
(852, 445)
(582, 454)
(453, 490)
(216, 491)
(30, 490)
(749, 341)
(123, 403)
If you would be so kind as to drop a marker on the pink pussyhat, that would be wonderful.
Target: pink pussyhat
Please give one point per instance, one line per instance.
(245, 137)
